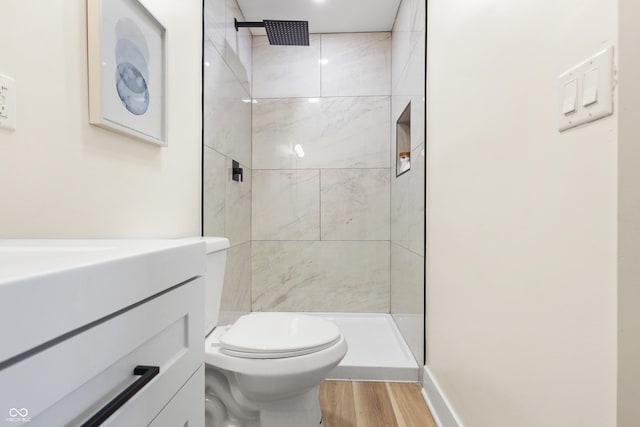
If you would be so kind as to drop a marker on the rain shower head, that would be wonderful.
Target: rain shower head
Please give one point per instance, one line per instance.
(287, 33)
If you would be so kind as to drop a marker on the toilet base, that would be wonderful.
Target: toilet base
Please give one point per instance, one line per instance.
(299, 411)
(224, 408)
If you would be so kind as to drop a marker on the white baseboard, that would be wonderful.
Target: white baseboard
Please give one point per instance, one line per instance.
(440, 408)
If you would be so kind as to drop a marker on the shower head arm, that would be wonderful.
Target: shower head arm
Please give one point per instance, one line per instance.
(247, 24)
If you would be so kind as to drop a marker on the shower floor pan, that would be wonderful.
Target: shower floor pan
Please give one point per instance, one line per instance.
(377, 351)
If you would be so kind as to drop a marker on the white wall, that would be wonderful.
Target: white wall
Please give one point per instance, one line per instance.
(629, 218)
(60, 176)
(521, 222)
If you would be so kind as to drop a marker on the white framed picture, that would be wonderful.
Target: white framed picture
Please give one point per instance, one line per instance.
(127, 69)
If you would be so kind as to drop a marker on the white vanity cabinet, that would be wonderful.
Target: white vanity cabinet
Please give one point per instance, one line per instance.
(70, 377)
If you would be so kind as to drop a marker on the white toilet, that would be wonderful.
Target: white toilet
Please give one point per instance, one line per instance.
(265, 369)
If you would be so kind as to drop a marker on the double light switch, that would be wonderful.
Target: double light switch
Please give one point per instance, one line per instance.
(586, 91)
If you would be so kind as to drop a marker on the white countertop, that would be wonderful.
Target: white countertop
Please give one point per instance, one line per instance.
(51, 287)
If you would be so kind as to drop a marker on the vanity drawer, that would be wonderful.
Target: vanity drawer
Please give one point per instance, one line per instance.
(68, 382)
(187, 407)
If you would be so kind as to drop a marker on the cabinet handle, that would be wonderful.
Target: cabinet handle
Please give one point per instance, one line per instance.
(146, 374)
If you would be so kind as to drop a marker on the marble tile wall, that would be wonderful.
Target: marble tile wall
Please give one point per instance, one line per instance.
(407, 296)
(225, 101)
(408, 190)
(233, 46)
(355, 204)
(349, 276)
(236, 300)
(286, 71)
(227, 137)
(343, 59)
(286, 205)
(322, 174)
(334, 132)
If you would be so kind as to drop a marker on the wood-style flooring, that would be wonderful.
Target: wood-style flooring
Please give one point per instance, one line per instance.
(373, 404)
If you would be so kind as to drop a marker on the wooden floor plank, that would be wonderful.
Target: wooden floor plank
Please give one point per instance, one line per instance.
(409, 405)
(336, 401)
(373, 407)
(373, 404)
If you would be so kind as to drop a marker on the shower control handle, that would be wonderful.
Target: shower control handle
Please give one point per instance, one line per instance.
(236, 171)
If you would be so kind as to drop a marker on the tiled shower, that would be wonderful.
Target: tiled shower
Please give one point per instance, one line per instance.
(320, 221)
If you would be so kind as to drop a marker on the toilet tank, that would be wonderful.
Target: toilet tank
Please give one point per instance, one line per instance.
(214, 278)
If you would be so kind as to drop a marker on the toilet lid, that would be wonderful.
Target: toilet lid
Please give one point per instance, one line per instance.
(271, 335)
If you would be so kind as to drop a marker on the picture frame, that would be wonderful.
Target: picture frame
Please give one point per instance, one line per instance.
(127, 64)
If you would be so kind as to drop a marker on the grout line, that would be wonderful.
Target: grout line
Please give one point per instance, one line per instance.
(312, 169)
(320, 203)
(392, 167)
(320, 65)
(315, 240)
(288, 98)
(397, 245)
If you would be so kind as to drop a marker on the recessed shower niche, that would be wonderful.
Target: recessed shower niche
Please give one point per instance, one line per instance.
(403, 141)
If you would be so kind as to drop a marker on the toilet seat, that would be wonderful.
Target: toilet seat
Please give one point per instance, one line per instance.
(278, 335)
(274, 367)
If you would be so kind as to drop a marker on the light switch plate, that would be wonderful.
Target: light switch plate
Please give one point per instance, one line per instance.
(596, 94)
(7, 102)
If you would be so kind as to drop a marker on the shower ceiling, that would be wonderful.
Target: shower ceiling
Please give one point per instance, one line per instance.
(325, 16)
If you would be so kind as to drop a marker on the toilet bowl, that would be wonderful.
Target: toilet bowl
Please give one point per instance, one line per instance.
(264, 370)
